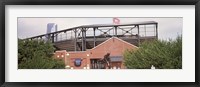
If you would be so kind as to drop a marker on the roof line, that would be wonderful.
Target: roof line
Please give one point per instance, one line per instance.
(101, 43)
(115, 38)
(126, 42)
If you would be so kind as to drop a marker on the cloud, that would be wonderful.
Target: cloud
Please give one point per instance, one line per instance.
(28, 27)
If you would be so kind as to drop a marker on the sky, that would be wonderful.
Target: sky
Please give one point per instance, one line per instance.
(168, 28)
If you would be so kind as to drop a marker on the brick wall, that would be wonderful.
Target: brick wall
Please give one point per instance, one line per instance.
(114, 46)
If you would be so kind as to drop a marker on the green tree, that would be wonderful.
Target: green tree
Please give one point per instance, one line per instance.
(37, 54)
(161, 54)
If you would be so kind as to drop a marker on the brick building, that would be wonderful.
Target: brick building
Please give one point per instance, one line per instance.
(89, 59)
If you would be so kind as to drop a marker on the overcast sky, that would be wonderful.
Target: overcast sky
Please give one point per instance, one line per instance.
(28, 27)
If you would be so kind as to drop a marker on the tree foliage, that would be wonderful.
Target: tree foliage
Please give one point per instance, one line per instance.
(36, 54)
(161, 54)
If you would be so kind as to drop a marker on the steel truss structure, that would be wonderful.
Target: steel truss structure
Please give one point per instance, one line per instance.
(86, 37)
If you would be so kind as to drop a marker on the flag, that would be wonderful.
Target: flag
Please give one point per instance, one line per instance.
(116, 21)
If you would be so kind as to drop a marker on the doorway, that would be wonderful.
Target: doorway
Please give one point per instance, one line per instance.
(96, 64)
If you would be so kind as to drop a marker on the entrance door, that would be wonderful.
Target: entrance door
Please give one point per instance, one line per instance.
(96, 64)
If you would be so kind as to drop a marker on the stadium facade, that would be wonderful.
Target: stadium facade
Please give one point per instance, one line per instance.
(92, 58)
(99, 46)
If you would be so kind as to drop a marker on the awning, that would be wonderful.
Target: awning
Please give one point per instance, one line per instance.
(116, 58)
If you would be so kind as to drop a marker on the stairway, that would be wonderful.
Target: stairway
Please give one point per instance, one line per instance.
(65, 45)
(69, 44)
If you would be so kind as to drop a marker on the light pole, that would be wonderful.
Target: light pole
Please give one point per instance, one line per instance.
(67, 67)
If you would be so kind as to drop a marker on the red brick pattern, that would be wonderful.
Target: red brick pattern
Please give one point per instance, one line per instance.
(114, 46)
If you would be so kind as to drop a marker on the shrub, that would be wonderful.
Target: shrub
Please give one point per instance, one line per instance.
(161, 54)
(37, 55)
